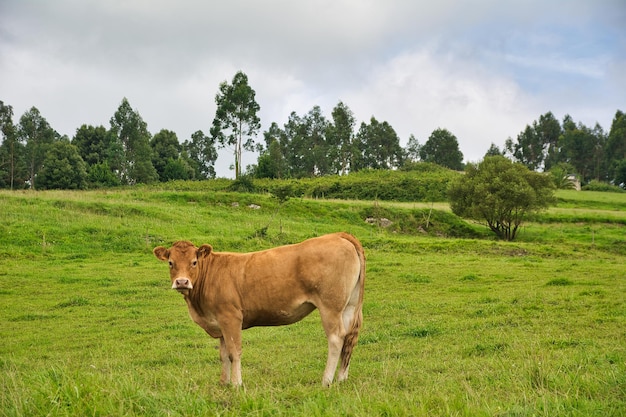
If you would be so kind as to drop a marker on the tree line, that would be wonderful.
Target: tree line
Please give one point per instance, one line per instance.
(33, 155)
(572, 148)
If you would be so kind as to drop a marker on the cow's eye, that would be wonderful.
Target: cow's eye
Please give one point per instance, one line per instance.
(194, 263)
(171, 264)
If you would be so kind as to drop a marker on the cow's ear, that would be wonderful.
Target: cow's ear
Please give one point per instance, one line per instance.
(161, 253)
(204, 250)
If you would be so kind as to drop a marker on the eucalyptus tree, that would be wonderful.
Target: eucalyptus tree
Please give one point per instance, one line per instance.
(272, 162)
(63, 167)
(102, 153)
(378, 145)
(303, 144)
(316, 152)
(494, 150)
(201, 155)
(12, 168)
(165, 149)
(528, 149)
(236, 123)
(34, 131)
(616, 150)
(442, 148)
(412, 150)
(538, 146)
(90, 141)
(340, 138)
(549, 130)
(131, 133)
(583, 148)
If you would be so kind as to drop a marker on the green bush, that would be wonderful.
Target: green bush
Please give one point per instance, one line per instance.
(429, 183)
(602, 186)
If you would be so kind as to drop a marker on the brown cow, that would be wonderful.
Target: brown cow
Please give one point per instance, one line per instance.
(227, 292)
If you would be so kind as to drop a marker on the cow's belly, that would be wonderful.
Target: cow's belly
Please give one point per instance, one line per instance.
(277, 316)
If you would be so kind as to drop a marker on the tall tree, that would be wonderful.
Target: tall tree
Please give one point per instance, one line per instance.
(379, 146)
(63, 167)
(11, 150)
(271, 163)
(412, 150)
(236, 122)
(36, 133)
(165, 149)
(201, 154)
(93, 144)
(316, 151)
(538, 145)
(442, 148)
(293, 138)
(582, 148)
(619, 174)
(340, 137)
(303, 143)
(528, 149)
(494, 151)
(178, 169)
(132, 134)
(616, 150)
(102, 153)
(549, 130)
(600, 166)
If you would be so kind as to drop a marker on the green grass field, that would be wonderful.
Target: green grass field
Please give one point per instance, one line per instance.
(452, 326)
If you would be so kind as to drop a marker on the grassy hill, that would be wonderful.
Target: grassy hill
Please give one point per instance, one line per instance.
(455, 322)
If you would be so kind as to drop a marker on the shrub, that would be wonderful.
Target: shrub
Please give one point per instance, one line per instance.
(602, 186)
(429, 183)
(501, 193)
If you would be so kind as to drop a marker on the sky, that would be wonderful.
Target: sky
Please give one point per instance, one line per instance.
(483, 69)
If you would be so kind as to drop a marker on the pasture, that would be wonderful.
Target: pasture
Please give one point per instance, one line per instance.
(463, 326)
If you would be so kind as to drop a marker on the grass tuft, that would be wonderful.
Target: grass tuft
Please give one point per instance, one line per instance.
(560, 282)
(74, 302)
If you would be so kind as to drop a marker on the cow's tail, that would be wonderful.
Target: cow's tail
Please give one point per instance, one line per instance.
(352, 334)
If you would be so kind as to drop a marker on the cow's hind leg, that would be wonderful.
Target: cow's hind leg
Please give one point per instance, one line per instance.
(349, 342)
(352, 319)
(335, 333)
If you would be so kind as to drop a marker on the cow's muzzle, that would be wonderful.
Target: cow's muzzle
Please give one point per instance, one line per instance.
(182, 284)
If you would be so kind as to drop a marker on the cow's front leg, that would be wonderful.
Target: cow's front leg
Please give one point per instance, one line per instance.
(226, 363)
(230, 352)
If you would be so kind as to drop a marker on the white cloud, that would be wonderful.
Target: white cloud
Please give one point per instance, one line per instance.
(482, 69)
(421, 91)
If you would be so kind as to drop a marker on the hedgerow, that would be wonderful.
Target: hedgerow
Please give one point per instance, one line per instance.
(428, 185)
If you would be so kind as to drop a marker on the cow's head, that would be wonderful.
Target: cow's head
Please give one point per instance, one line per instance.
(183, 259)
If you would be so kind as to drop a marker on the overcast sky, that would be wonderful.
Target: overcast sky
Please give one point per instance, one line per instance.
(482, 69)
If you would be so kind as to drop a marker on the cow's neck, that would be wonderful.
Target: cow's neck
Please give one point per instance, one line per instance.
(196, 297)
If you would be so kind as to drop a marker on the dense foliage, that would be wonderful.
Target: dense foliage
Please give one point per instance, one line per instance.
(442, 148)
(501, 193)
(589, 153)
(429, 183)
